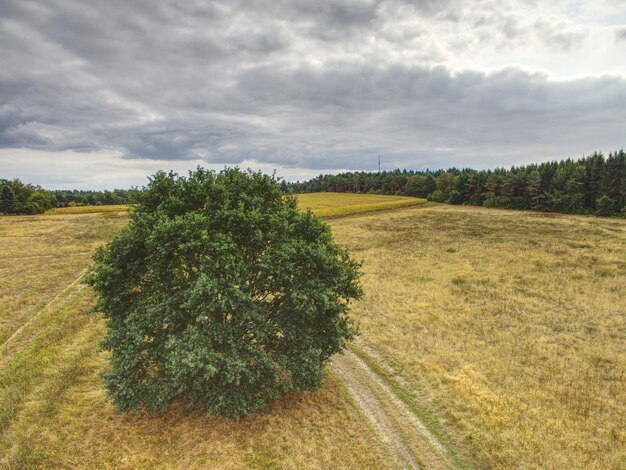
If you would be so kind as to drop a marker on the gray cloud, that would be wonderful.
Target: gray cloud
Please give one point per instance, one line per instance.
(316, 85)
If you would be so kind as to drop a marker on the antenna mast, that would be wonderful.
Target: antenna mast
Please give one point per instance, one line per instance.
(379, 163)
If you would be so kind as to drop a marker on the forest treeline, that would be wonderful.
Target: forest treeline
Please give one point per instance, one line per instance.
(17, 197)
(591, 185)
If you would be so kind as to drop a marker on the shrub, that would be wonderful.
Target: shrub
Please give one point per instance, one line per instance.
(455, 197)
(437, 196)
(605, 206)
(492, 200)
(40, 201)
(221, 294)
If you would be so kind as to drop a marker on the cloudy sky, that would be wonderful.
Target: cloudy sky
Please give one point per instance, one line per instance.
(102, 93)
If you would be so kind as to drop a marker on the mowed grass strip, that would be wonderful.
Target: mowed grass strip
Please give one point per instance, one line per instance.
(510, 325)
(88, 209)
(41, 255)
(331, 205)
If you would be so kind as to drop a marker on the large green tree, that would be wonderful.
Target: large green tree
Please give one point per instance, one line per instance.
(222, 294)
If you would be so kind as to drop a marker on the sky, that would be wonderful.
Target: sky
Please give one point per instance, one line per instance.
(101, 94)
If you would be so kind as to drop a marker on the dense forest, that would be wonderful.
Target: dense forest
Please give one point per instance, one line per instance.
(22, 198)
(590, 185)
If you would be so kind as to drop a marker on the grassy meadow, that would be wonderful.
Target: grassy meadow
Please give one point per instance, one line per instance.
(502, 330)
(509, 326)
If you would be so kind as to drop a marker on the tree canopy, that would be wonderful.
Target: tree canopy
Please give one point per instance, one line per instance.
(222, 294)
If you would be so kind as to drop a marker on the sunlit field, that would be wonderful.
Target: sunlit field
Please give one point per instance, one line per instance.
(510, 325)
(326, 205)
(329, 205)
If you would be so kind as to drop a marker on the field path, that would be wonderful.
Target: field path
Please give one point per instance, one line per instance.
(408, 440)
(14, 343)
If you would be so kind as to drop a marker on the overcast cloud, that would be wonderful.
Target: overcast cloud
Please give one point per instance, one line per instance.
(104, 93)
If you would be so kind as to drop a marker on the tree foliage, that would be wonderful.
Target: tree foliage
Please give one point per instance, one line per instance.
(20, 198)
(222, 294)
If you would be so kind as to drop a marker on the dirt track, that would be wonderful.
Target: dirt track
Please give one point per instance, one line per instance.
(408, 440)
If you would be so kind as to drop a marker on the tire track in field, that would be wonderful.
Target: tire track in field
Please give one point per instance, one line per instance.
(409, 441)
(13, 346)
(64, 255)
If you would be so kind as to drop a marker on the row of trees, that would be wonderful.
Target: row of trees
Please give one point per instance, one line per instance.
(590, 185)
(21, 198)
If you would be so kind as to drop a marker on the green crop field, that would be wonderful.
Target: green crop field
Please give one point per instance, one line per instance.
(502, 332)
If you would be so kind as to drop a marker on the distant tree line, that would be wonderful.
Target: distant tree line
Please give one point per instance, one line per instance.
(591, 185)
(22, 198)
(77, 197)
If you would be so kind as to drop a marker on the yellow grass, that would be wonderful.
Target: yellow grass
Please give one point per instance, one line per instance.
(511, 325)
(53, 409)
(329, 205)
(88, 209)
(326, 205)
(508, 326)
(41, 255)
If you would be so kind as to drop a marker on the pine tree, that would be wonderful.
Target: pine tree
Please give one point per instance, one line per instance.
(595, 168)
(535, 189)
(7, 203)
(575, 191)
(615, 177)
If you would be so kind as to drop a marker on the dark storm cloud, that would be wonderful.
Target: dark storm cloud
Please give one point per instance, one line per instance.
(416, 112)
(292, 83)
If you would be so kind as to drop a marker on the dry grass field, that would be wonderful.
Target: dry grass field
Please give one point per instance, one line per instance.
(510, 326)
(53, 410)
(87, 209)
(502, 331)
(41, 255)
